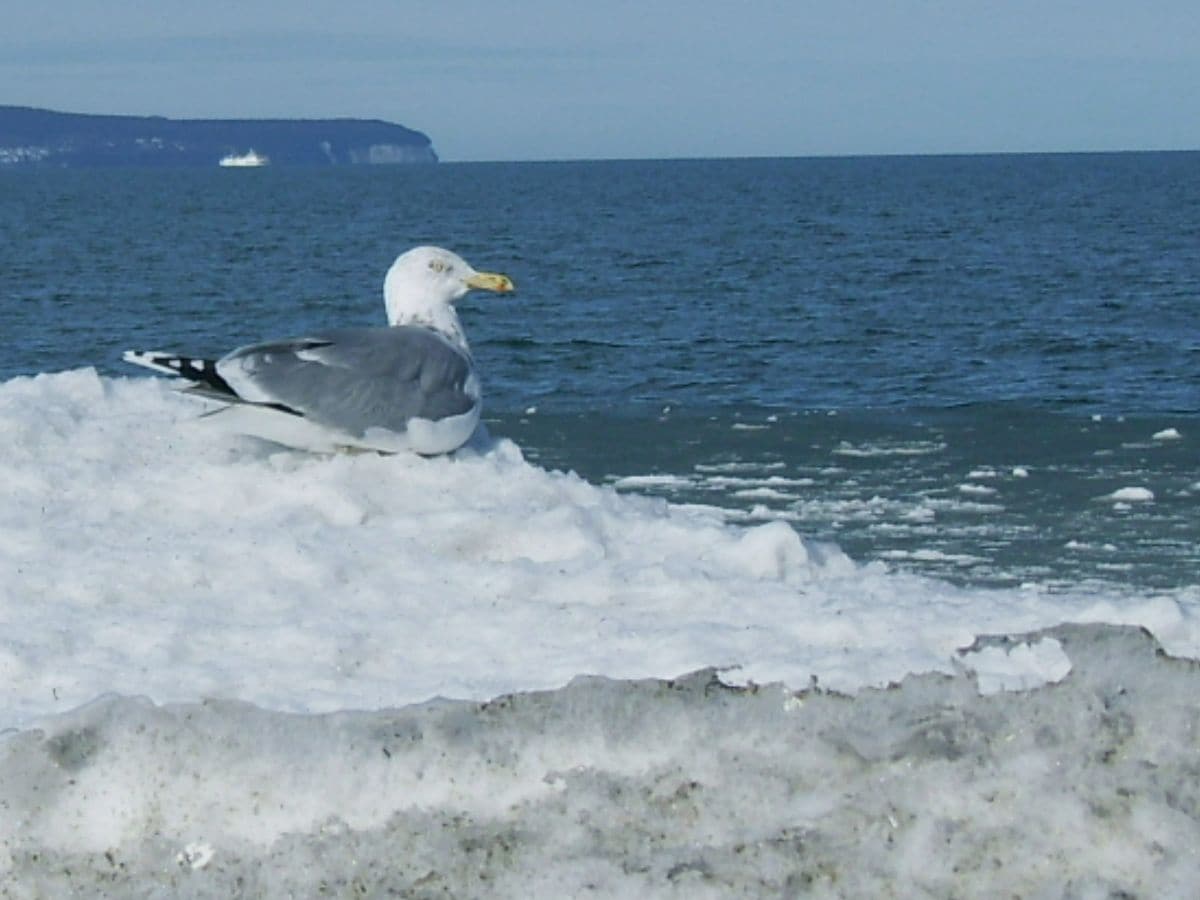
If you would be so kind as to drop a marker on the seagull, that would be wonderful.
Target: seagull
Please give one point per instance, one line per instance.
(409, 386)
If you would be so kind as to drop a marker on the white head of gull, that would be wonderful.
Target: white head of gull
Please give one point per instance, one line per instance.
(423, 284)
(411, 385)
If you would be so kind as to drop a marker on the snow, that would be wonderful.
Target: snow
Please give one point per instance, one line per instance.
(151, 555)
(226, 664)
(678, 788)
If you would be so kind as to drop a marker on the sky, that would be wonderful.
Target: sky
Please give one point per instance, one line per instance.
(490, 80)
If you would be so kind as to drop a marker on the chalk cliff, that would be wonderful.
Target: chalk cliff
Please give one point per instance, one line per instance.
(40, 137)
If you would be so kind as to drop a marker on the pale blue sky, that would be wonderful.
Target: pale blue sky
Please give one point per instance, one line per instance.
(561, 80)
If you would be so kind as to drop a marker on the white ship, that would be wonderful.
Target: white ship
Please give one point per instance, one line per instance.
(244, 160)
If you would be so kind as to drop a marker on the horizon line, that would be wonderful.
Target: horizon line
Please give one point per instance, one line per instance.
(887, 154)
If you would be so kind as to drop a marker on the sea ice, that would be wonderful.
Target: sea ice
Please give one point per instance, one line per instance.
(188, 620)
(650, 788)
(150, 556)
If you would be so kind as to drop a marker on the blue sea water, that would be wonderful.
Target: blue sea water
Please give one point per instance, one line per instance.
(949, 364)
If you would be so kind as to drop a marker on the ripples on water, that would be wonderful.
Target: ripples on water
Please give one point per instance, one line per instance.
(1060, 280)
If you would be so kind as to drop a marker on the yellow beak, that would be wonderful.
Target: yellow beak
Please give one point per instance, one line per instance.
(491, 281)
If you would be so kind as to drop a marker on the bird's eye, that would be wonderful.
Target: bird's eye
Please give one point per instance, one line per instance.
(437, 265)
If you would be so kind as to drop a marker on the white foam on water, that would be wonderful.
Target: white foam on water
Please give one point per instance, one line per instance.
(921, 514)
(762, 493)
(978, 490)
(1090, 547)
(945, 504)
(899, 448)
(738, 466)
(724, 481)
(636, 482)
(930, 555)
(1135, 494)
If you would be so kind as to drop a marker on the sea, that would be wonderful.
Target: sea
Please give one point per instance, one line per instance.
(867, 348)
(773, 448)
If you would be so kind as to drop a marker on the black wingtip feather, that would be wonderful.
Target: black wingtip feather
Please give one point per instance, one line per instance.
(193, 368)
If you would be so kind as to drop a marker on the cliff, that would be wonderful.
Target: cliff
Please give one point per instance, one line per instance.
(40, 137)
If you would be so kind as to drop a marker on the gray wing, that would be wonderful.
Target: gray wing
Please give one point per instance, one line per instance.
(353, 379)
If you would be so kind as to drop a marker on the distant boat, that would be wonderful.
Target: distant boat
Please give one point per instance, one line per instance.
(244, 160)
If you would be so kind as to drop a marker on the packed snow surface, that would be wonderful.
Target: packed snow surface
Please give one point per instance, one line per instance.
(681, 788)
